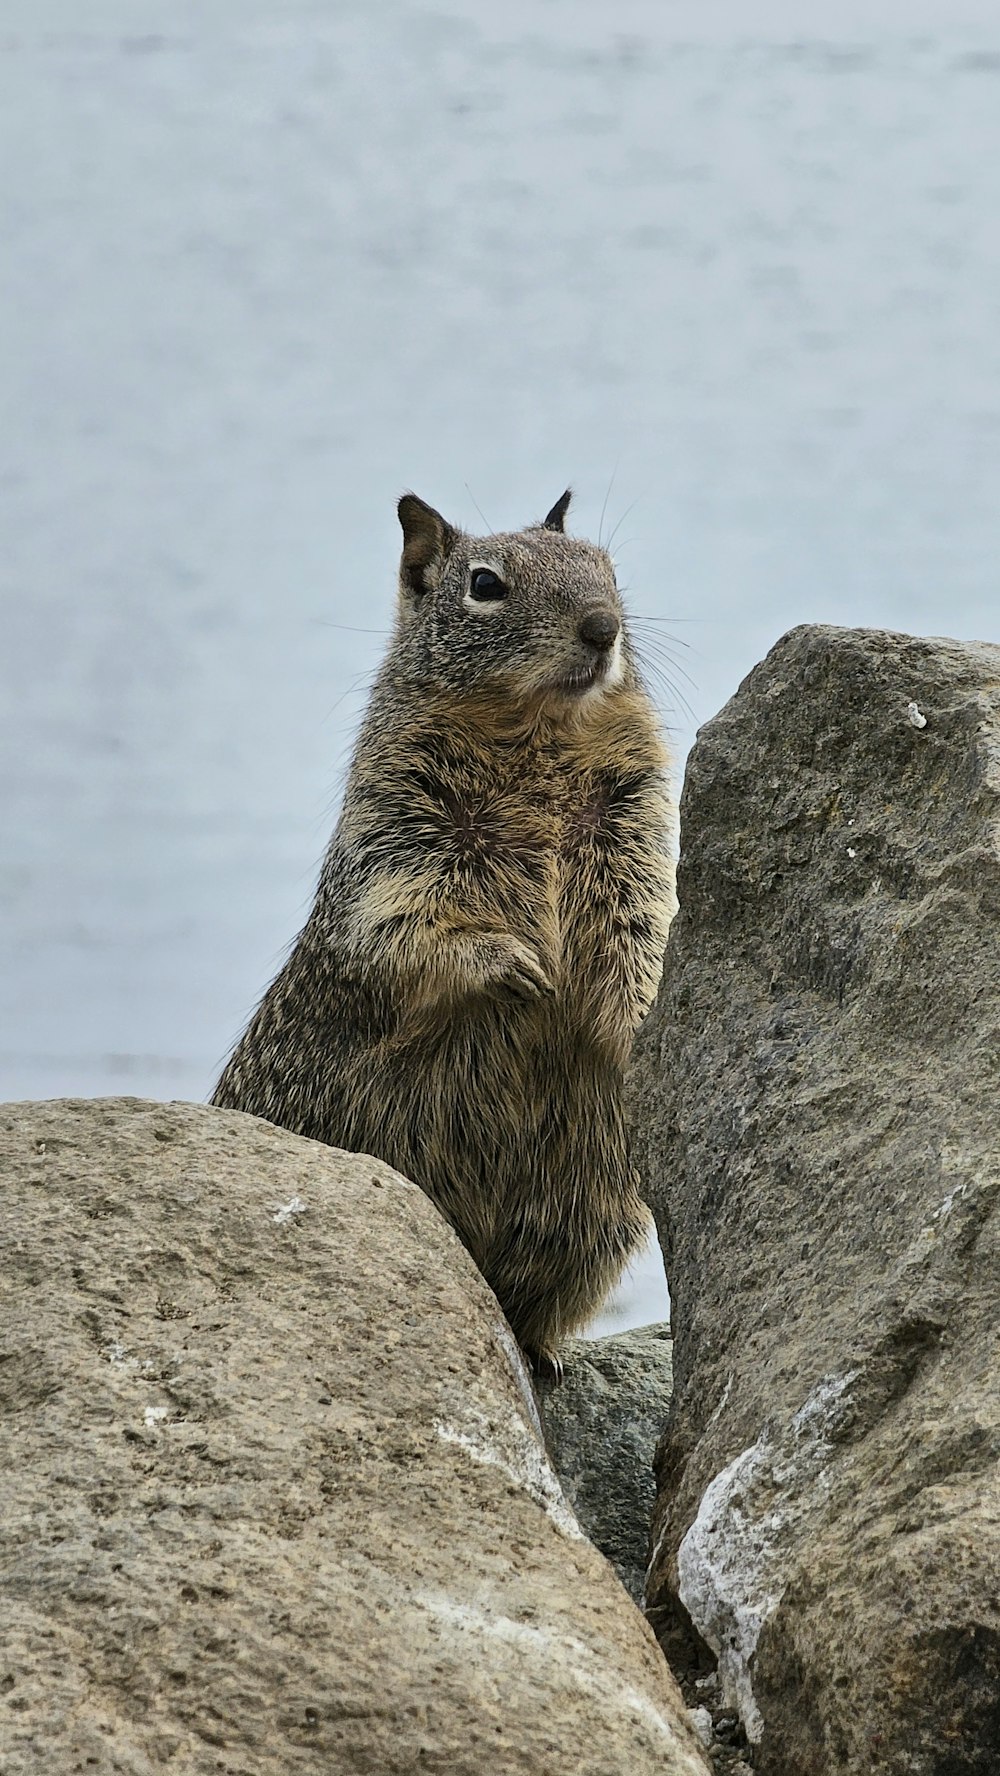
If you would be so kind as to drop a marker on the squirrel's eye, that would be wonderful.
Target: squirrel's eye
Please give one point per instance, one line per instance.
(486, 586)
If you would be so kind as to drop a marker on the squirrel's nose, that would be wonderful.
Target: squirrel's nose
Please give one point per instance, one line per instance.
(599, 628)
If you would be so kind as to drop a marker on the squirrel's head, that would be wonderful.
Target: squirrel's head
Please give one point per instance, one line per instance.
(533, 615)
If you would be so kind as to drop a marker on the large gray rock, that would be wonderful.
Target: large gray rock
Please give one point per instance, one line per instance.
(602, 1427)
(816, 1114)
(272, 1496)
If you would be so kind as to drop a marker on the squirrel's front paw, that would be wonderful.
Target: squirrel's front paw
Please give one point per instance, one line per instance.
(515, 968)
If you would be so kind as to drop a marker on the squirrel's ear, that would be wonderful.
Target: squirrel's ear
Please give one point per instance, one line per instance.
(554, 521)
(426, 540)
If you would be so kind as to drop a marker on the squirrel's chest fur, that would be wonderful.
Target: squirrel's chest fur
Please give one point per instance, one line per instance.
(552, 847)
(559, 835)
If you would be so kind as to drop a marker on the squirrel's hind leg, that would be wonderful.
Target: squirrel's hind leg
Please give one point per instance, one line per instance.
(546, 1366)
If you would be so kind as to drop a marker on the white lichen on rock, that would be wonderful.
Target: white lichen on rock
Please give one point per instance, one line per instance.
(732, 1561)
(519, 1369)
(512, 1447)
(564, 1653)
(285, 1211)
(942, 1213)
(117, 1353)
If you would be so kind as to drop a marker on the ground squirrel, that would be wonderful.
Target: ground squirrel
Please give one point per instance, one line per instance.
(490, 919)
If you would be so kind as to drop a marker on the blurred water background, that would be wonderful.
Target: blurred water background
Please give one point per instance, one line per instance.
(732, 271)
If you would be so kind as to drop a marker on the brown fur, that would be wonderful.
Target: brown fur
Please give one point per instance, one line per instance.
(489, 925)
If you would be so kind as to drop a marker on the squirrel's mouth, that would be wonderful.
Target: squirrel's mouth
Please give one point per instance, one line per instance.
(582, 678)
(602, 670)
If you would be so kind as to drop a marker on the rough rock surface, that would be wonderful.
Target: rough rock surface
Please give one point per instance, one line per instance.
(602, 1427)
(815, 1112)
(271, 1495)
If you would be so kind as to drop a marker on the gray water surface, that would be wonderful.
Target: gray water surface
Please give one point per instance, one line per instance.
(733, 272)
